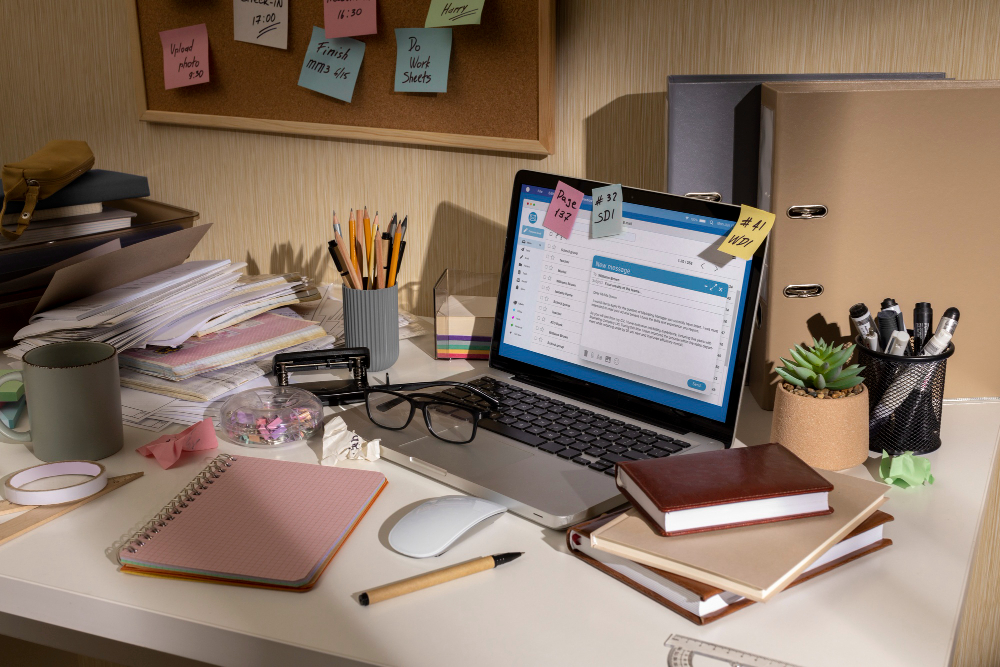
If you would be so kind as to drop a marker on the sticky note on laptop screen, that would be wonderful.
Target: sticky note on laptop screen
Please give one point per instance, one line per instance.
(185, 56)
(606, 216)
(563, 209)
(444, 13)
(331, 65)
(348, 18)
(422, 58)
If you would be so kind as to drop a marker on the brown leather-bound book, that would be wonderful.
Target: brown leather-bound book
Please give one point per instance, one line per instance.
(701, 603)
(723, 489)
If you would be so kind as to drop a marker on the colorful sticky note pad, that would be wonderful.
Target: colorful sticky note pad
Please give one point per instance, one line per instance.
(11, 390)
(185, 56)
(422, 58)
(331, 65)
(262, 22)
(606, 216)
(11, 412)
(748, 232)
(347, 18)
(443, 13)
(562, 210)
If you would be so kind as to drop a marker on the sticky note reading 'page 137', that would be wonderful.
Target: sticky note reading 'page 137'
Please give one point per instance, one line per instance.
(563, 209)
(348, 18)
(185, 56)
(748, 232)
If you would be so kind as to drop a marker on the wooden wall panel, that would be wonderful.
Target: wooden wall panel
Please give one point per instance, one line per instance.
(67, 75)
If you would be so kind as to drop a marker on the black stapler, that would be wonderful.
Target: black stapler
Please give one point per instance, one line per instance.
(330, 392)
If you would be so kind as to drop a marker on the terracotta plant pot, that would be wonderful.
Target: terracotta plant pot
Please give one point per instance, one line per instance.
(831, 434)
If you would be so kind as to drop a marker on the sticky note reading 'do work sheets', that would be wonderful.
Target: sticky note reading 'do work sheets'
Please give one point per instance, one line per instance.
(185, 56)
(422, 58)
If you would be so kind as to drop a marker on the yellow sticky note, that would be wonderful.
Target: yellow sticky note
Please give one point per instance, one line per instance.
(748, 233)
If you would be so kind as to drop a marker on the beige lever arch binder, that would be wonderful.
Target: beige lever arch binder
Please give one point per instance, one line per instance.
(881, 189)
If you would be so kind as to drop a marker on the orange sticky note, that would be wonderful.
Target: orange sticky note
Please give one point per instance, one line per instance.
(748, 232)
(185, 56)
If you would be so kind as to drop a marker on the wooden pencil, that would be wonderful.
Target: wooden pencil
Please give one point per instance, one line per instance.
(352, 272)
(394, 262)
(350, 235)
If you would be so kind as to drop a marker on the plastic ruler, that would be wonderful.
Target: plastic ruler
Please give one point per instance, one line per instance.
(687, 652)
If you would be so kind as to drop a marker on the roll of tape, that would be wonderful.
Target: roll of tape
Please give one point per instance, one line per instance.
(65, 494)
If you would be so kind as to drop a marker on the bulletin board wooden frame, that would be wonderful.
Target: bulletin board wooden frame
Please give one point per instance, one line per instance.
(540, 143)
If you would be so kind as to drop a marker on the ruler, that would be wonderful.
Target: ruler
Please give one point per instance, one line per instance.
(39, 515)
(687, 652)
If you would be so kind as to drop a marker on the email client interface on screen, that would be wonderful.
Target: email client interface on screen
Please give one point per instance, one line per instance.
(639, 313)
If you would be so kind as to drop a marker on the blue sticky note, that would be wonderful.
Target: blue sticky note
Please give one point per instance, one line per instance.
(331, 65)
(11, 412)
(606, 216)
(422, 58)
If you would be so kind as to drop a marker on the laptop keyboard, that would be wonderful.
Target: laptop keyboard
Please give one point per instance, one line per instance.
(567, 431)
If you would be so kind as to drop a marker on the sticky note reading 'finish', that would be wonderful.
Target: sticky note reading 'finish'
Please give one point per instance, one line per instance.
(422, 58)
(331, 65)
(185, 56)
(748, 232)
(443, 13)
(347, 18)
(563, 209)
(606, 218)
(263, 22)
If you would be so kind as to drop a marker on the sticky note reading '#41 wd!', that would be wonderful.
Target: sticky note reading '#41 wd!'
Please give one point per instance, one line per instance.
(562, 210)
(748, 232)
(606, 218)
(331, 65)
(185, 56)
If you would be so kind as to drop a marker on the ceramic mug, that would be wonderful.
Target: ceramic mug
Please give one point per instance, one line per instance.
(74, 399)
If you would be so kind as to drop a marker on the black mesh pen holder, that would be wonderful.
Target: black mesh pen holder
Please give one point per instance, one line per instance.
(905, 396)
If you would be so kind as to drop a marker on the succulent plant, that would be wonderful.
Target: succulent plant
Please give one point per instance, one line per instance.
(821, 367)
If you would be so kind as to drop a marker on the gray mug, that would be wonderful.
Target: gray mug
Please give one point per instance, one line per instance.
(74, 399)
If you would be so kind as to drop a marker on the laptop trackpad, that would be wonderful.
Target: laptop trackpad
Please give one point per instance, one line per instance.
(471, 461)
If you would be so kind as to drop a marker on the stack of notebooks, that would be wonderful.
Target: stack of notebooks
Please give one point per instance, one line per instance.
(708, 534)
(464, 327)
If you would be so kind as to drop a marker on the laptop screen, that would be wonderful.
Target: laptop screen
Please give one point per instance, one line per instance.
(654, 312)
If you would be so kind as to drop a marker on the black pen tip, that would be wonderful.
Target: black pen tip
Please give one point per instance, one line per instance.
(500, 559)
(363, 599)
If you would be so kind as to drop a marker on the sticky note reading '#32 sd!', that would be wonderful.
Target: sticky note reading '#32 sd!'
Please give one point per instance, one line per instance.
(185, 56)
(422, 58)
(331, 65)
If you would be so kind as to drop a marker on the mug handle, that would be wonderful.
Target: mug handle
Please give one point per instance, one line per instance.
(15, 435)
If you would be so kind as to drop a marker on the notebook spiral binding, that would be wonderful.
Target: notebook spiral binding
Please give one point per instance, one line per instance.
(189, 494)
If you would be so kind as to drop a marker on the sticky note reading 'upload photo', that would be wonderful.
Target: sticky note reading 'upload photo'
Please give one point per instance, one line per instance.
(563, 210)
(422, 58)
(347, 18)
(331, 65)
(185, 56)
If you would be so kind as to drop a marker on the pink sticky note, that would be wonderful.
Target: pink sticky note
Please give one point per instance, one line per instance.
(349, 18)
(563, 210)
(185, 56)
(167, 449)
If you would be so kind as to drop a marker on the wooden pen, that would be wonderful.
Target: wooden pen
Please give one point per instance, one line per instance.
(436, 577)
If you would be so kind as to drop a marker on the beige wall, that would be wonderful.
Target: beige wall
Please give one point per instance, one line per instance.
(66, 74)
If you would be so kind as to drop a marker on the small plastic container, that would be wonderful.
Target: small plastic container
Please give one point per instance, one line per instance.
(271, 416)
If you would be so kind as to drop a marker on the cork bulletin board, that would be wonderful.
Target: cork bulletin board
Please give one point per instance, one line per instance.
(500, 82)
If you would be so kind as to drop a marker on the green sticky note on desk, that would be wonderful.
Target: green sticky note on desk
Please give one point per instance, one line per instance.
(422, 58)
(444, 13)
(331, 65)
(12, 390)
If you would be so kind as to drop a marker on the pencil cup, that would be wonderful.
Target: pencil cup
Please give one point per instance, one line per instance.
(906, 396)
(371, 319)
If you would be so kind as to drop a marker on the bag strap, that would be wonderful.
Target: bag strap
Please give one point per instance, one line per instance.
(30, 190)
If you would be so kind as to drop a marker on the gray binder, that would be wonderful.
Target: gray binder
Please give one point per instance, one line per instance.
(713, 130)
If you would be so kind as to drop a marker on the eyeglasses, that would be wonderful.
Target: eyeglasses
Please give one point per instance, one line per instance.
(451, 415)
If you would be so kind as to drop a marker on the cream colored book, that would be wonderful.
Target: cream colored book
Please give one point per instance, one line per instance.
(756, 562)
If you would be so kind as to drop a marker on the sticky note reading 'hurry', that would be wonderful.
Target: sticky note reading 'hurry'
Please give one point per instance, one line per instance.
(748, 232)
(331, 65)
(562, 210)
(185, 56)
(443, 13)
(263, 22)
(347, 18)
(606, 217)
(422, 58)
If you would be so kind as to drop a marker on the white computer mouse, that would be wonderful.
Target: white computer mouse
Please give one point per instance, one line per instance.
(430, 528)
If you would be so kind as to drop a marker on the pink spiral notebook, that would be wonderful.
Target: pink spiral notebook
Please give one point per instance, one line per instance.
(254, 522)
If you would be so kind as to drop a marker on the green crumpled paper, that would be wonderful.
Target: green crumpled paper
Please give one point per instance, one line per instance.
(905, 470)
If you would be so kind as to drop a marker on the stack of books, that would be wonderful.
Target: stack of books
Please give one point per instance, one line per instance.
(709, 534)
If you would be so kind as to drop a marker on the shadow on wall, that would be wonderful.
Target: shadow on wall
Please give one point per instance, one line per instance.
(458, 239)
(284, 259)
(626, 141)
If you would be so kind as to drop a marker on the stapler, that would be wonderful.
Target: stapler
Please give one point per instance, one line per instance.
(330, 392)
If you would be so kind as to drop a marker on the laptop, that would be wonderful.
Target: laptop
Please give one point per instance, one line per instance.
(604, 350)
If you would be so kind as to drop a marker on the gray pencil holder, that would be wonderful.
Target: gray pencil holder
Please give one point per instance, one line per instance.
(371, 319)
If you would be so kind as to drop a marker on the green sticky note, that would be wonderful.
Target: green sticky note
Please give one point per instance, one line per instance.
(422, 57)
(905, 470)
(11, 390)
(331, 65)
(444, 13)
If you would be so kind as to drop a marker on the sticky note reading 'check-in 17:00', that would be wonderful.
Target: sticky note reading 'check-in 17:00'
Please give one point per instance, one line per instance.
(563, 209)
(185, 56)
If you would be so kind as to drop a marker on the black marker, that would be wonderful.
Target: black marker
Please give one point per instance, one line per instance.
(862, 319)
(890, 304)
(886, 327)
(923, 314)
